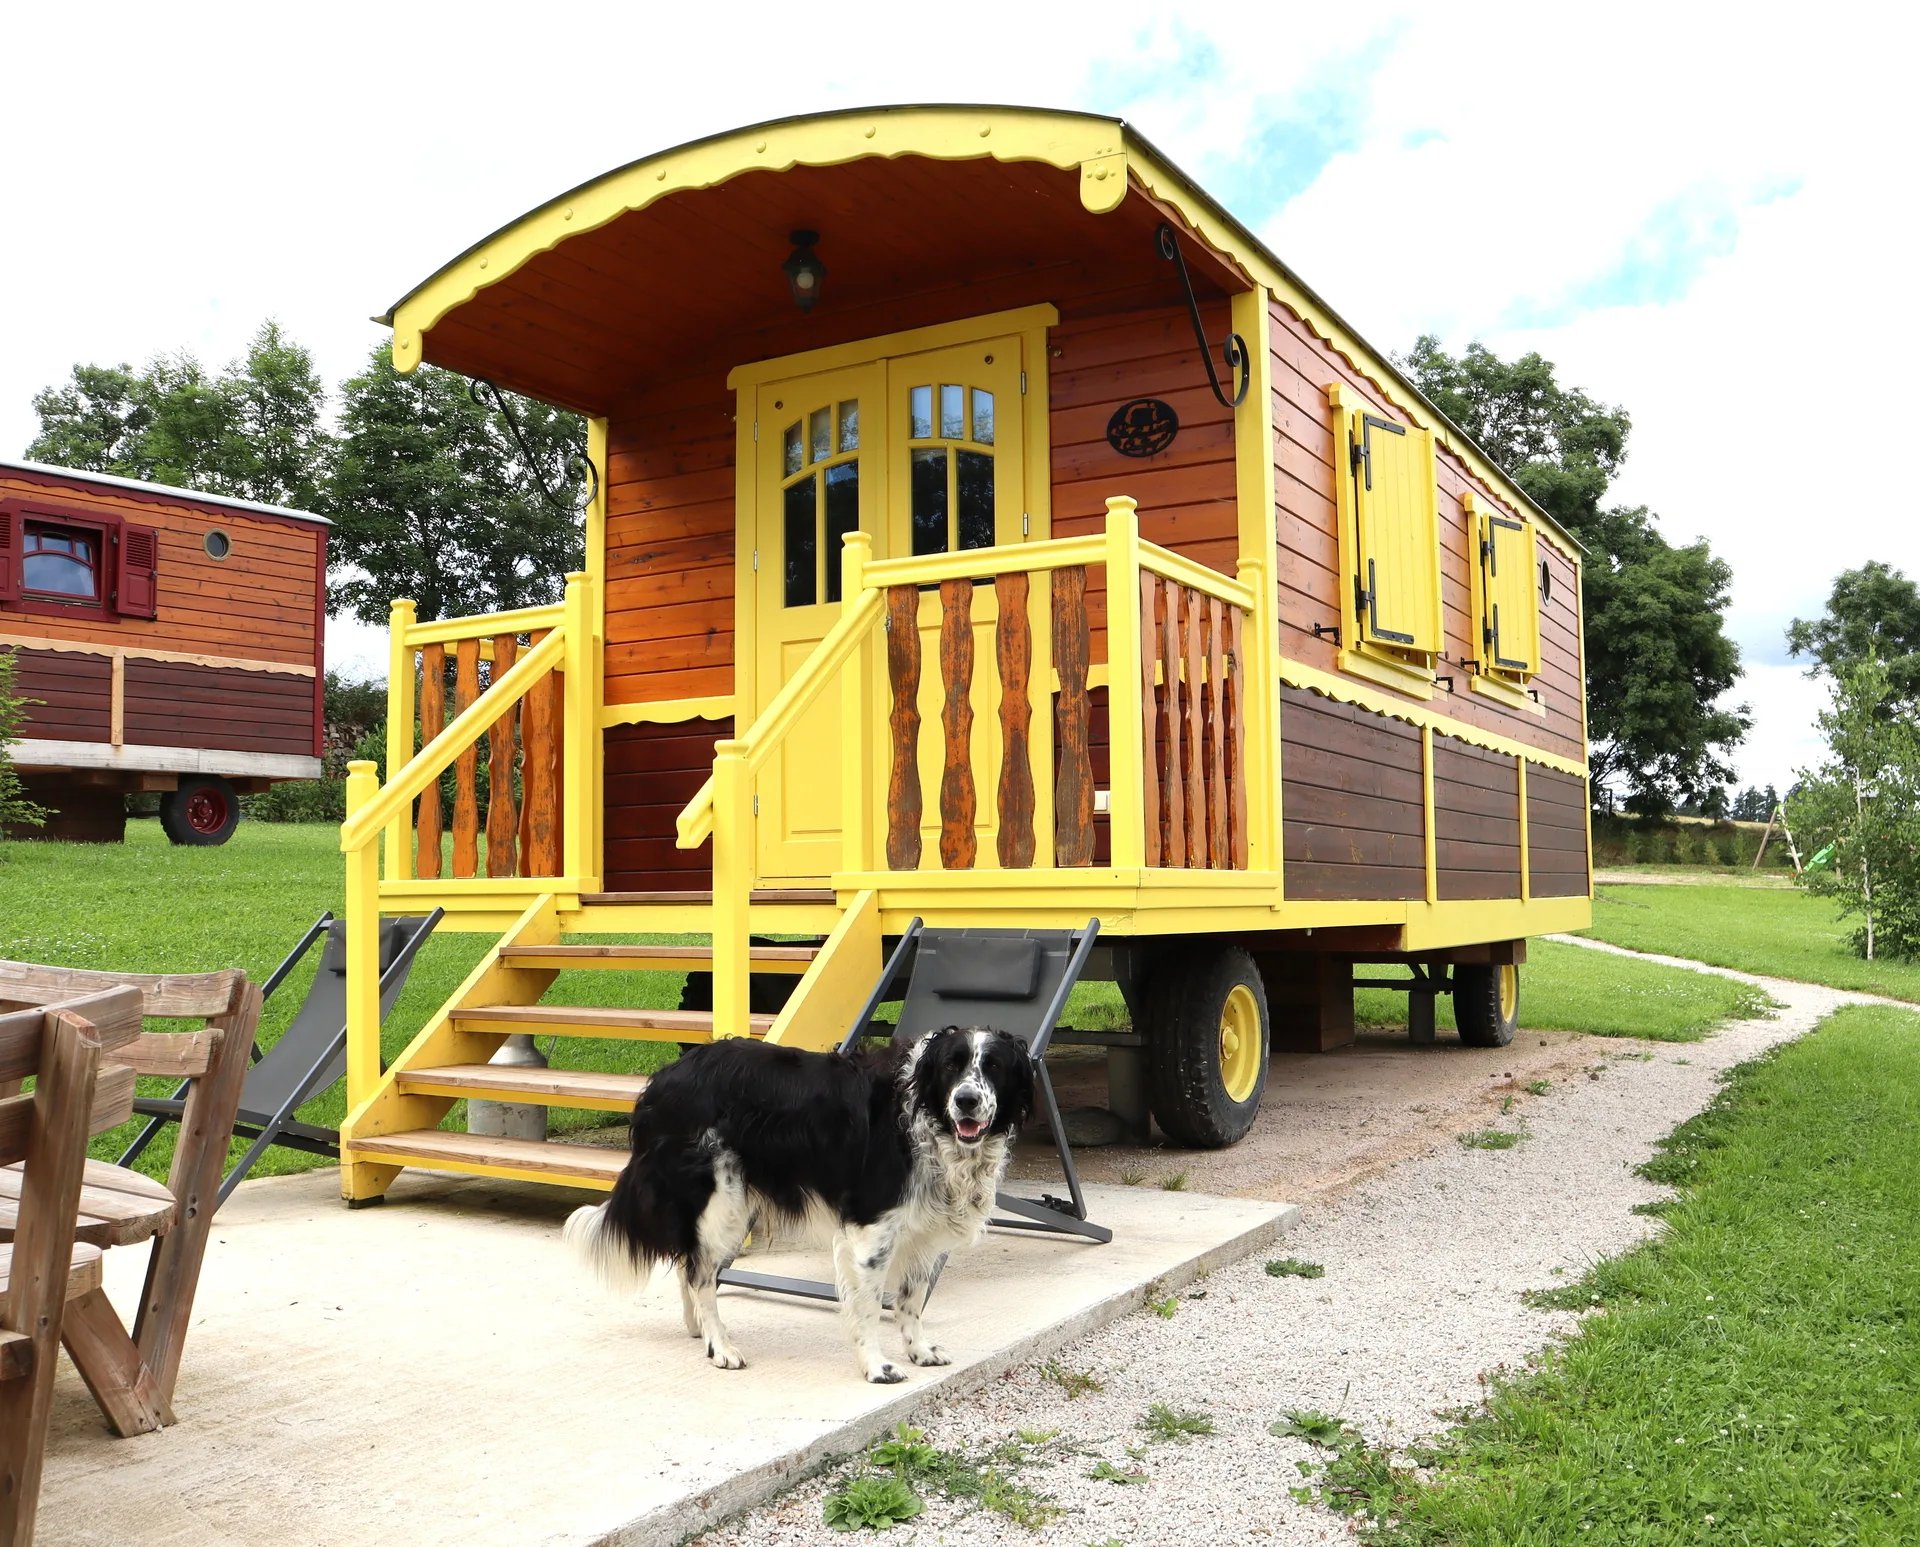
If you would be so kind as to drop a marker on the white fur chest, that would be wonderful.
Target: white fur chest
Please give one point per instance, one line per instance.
(951, 1195)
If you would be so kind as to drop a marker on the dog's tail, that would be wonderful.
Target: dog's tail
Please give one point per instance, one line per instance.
(622, 1241)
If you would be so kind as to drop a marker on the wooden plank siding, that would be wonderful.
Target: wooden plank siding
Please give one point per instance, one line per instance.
(1351, 791)
(1308, 578)
(74, 693)
(259, 603)
(1556, 833)
(1476, 821)
(176, 704)
(652, 771)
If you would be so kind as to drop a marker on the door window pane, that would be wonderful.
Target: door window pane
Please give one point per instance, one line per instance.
(920, 413)
(802, 589)
(930, 500)
(975, 482)
(795, 455)
(953, 412)
(821, 425)
(843, 516)
(850, 425)
(982, 417)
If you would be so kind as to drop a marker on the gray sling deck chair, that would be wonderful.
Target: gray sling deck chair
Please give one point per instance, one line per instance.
(311, 1053)
(1014, 980)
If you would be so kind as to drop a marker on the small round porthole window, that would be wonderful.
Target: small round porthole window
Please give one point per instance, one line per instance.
(217, 544)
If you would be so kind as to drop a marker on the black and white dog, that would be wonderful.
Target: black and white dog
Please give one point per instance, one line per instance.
(900, 1154)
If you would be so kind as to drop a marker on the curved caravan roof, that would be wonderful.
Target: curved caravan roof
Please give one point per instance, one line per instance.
(630, 277)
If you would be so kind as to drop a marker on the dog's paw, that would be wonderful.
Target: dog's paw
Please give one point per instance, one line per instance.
(887, 1375)
(726, 1357)
(929, 1353)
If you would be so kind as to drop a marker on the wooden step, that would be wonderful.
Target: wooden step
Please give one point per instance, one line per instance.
(559, 1020)
(586, 1165)
(765, 896)
(793, 959)
(592, 1089)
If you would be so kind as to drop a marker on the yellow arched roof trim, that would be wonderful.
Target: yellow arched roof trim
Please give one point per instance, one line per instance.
(1109, 154)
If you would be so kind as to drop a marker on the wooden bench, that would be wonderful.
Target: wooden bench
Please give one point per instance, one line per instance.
(132, 1377)
(45, 1271)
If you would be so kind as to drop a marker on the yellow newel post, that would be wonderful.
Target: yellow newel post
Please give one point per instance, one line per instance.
(363, 947)
(856, 720)
(400, 732)
(579, 801)
(733, 863)
(1259, 703)
(1126, 820)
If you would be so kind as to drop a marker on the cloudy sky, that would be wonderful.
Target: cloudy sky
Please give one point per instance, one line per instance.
(1699, 212)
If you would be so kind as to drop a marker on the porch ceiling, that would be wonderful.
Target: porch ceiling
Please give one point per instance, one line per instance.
(691, 283)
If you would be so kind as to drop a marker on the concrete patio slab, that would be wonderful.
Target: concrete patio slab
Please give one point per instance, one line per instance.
(437, 1371)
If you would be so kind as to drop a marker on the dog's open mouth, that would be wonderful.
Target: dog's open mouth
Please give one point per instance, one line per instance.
(968, 1129)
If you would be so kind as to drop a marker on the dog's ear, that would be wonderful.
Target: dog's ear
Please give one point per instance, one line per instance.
(1017, 1092)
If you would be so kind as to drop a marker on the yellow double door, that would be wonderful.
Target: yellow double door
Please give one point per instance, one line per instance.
(926, 453)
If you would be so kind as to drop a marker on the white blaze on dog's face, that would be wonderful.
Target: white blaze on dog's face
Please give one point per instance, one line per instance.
(974, 1081)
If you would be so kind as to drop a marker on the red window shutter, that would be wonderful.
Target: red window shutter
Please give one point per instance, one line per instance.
(9, 555)
(136, 565)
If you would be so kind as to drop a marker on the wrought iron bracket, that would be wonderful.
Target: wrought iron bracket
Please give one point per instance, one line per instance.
(1234, 350)
(487, 395)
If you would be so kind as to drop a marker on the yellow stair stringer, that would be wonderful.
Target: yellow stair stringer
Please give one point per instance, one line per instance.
(837, 983)
(391, 1110)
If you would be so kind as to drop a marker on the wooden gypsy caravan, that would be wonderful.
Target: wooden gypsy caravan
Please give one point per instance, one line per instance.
(165, 640)
(987, 529)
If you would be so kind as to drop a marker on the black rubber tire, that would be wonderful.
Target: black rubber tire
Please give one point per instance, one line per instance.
(202, 812)
(1477, 1010)
(1186, 999)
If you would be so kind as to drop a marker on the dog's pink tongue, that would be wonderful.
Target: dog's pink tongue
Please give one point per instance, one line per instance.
(969, 1129)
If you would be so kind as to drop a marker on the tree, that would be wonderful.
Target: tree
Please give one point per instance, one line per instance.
(432, 498)
(1755, 804)
(15, 809)
(1658, 657)
(253, 432)
(1861, 811)
(1872, 611)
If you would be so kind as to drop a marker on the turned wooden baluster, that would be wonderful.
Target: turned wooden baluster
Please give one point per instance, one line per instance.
(466, 800)
(1218, 856)
(502, 819)
(433, 720)
(1073, 784)
(1149, 720)
(1196, 776)
(1179, 792)
(958, 800)
(903, 725)
(539, 788)
(1013, 642)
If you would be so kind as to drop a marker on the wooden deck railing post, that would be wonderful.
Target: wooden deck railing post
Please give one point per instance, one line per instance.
(1257, 702)
(466, 767)
(858, 815)
(578, 729)
(1126, 815)
(363, 947)
(433, 720)
(733, 866)
(400, 618)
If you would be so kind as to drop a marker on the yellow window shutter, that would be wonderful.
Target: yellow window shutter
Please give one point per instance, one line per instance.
(1510, 569)
(1397, 587)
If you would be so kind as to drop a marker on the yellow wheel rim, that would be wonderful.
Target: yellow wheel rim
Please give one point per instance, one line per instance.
(1240, 1043)
(1509, 992)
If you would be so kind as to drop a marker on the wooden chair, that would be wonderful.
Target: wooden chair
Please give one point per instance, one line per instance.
(132, 1377)
(75, 1096)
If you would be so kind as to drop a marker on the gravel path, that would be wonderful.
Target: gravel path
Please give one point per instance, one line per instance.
(1424, 1271)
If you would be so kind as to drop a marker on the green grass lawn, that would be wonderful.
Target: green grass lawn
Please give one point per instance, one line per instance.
(1785, 934)
(1756, 1375)
(1565, 988)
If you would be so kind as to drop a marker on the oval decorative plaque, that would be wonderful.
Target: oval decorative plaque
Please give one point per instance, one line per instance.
(1143, 427)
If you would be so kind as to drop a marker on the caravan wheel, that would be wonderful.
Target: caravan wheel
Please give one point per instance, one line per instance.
(1207, 1036)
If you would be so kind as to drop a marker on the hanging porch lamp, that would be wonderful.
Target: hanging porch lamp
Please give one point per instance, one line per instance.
(803, 269)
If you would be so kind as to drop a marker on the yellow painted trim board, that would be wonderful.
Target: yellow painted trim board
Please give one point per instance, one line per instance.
(823, 1005)
(142, 653)
(668, 711)
(909, 341)
(1345, 690)
(1258, 549)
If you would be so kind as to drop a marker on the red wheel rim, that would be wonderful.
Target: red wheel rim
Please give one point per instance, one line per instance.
(206, 811)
